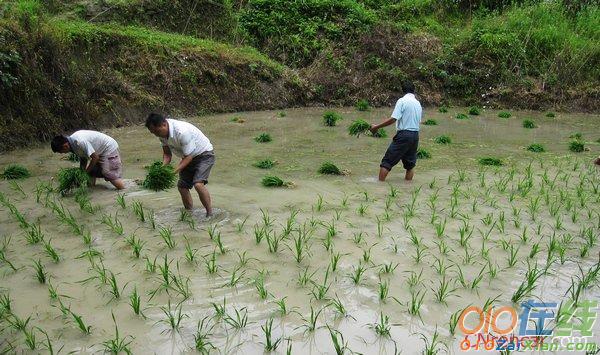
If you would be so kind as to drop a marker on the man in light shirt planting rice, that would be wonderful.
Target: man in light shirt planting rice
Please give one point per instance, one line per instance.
(407, 117)
(195, 151)
(101, 150)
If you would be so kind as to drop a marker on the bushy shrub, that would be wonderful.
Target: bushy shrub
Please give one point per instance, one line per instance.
(15, 171)
(330, 118)
(160, 177)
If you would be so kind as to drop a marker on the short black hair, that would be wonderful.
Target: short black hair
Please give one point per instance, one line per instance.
(408, 87)
(57, 143)
(154, 120)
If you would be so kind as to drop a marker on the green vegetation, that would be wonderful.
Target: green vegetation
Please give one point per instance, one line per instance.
(265, 164)
(160, 177)
(358, 127)
(576, 146)
(576, 135)
(443, 140)
(490, 161)
(461, 116)
(504, 114)
(329, 168)
(14, 172)
(380, 133)
(263, 138)
(529, 124)
(273, 181)
(70, 179)
(536, 148)
(362, 105)
(550, 115)
(430, 122)
(423, 153)
(330, 118)
(443, 109)
(474, 110)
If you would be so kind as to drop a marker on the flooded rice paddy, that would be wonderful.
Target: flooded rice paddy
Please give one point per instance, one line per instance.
(380, 266)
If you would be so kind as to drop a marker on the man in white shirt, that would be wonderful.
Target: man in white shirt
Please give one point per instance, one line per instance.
(196, 153)
(101, 150)
(407, 117)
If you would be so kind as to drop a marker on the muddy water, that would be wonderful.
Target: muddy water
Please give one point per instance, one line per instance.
(300, 144)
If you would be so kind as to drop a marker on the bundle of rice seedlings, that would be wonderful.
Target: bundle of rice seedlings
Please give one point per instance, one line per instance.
(73, 157)
(430, 122)
(381, 133)
(15, 171)
(237, 119)
(529, 124)
(329, 168)
(490, 161)
(443, 109)
(265, 164)
(274, 181)
(362, 105)
(263, 138)
(550, 115)
(504, 114)
(330, 118)
(70, 179)
(159, 177)
(461, 116)
(576, 146)
(423, 153)
(443, 140)
(358, 127)
(282, 114)
(536, 148)
(474, 110)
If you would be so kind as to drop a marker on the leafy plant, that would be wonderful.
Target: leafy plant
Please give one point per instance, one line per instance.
(536, 148)
(70, 179)
(358, 127)
(263, 138)
(159, 177)
(15, 171)
(329, 168)
(330, 118)
(443, 140)
(529, 124)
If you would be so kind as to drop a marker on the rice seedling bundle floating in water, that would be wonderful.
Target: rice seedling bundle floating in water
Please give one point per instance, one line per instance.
(443, 140)
(423, 153)
(265, 164)
(159, 177)
(536, 148)
(330, 118)
(490, 161)
(529, 124)
(461, 116)
(274, 181)
(329, 168)
(504, 114)
(430, 122)
(576, 146)
(358, 127)
(474, 110)
(15, 171)
(263, 138)
(70, 179)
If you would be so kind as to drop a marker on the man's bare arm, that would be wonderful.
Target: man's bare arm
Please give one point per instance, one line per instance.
(94, 158)
(167, 155)
(376, 127)
(183, 163)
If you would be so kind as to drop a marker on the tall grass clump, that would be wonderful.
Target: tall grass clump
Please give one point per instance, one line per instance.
(536, 148)
(15, 171)
(330, 118)
(160, 177)
(329, 168)
(263, 138)
(358, 127)
(70, 179)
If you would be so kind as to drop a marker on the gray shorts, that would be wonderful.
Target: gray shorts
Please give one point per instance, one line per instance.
(197, 170)
(403, 147)
(109, 167)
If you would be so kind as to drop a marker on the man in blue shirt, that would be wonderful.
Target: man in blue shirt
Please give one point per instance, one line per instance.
(407, 116)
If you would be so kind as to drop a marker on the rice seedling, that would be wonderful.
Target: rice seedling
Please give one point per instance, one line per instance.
(442, 139)
(211, 263)
(362, 105)
(113, 223)
(186, 216)
(358, 237)
(443, 109)
(529, 124)
(34, 234)
(265, 164)
(311, 322)
(83, 200)
(30, 340)
(263, 138)
(331, 118)
(135, 301)
(17, 323)
(334, 261)
(235, 277)
(461, 116)
(319, 291)
(5, 304)
(117, 345)
(339, 344)
(5, 260)
(528, 285)
(304, 278)
(382, 327)
(492, 161)
(160, 177)
(440, 228)
(202, 344)
(114, 290)
(241, 318)
(388, 268)
(50, 251)
(384, 289)
(358, 127)
(328, 168)
(166, 234)
(223, 249)
(259, 284)
(433, 346)
(173, 317)
(440, 266)
(474, 110)
(220, 310)
(136, 245)
(270, 344)
(419, 254)
(430, 122)
(477, 280)
(70, 179)
(504, 114)
(576, 146)
(150, 266)
(14, 172)
(536, 148)
(357, 274)
(78, 319)
(423, 153)
(40, 271)
(274, 181)
(443, 248)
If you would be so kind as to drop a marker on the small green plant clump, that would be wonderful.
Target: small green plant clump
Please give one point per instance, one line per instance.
(474, 110)
(536, 148)
(504, 114)
(491, 161)
(430, 122)
(550, 115)
(273, 181)
(443, 140)
(15, 171)
(70, 179)
(73, 157)
(461, 116)
(576, 146)
(529, 124)
(380, 133)
(330, 118)
(265, 164)
(358, 127)
(263, 138)
(423, 153)
(160, 177)
(576, 135)
(329, 168)
(362, 105)
(443, 109)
